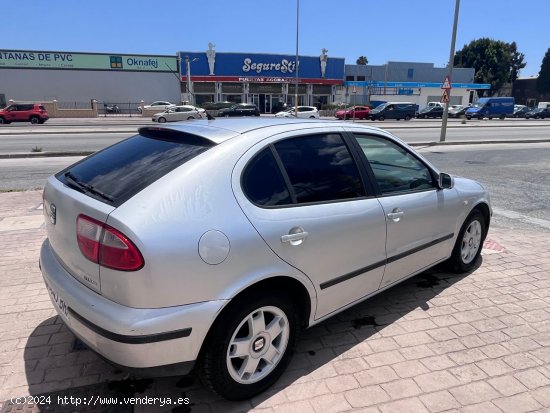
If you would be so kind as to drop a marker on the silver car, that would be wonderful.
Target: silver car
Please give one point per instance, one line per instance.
(178, 113)
(212, 243)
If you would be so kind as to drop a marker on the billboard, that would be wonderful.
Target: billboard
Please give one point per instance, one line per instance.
(24, 59)
(255, 67)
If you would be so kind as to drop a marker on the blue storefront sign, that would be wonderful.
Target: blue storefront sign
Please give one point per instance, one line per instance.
(376, 83)
(216, 66)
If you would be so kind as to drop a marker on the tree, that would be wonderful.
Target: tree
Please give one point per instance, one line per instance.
(543, 81)
(362, 60)
(495, 62)
(516, 61)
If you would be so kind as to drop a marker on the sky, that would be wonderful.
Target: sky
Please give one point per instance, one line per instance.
(382, 30)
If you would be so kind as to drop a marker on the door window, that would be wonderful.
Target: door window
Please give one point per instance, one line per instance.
(320, 168)
(316, 168)
(396, 170)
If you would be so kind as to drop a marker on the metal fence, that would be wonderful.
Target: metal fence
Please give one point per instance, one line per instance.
(74, 105)
(118, 109)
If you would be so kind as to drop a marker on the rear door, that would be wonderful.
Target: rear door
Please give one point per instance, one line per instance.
(304, 194)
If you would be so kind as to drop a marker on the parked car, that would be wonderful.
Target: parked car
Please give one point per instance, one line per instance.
(212, 243)
(239, 109)
(439, 104)
(161, 105)
(304, 112)
(393, 110)
(520, 111)
(176, 113)
(538, 113)
(430, 112)
(24, 112)
(499, 107)
(456, 111)
(355, 112)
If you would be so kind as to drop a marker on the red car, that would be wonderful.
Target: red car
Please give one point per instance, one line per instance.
(24, 112)
(355, 112)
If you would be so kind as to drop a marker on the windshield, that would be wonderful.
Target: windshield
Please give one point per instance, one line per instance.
(478, 105)
(381, 107)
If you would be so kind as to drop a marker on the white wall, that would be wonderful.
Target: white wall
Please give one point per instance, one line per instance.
(84, 85)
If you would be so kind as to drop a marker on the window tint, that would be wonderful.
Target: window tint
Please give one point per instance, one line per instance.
(395, 169)
(320, 168)
(124, 169)
(262, 181)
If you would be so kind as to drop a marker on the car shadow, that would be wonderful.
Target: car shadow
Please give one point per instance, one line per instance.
(59, 365)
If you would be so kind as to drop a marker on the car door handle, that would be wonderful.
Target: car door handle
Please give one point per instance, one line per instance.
(396, 214)
(294, 237)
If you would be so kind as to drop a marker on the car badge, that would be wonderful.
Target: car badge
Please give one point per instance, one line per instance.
(52, 213)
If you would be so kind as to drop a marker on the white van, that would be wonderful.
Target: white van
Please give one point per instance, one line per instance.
(543, 105)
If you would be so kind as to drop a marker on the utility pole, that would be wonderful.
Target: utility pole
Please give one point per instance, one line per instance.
(450, 74)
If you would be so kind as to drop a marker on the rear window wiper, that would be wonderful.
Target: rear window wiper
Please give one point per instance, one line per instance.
(74, 181)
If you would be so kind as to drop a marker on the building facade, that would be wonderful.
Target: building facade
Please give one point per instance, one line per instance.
(74, 78)
(418, 83)
(267, 80)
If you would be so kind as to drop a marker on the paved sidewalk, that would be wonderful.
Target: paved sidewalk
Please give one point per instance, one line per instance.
(436, 343)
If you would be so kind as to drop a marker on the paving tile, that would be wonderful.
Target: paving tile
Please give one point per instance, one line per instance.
(413, 405)
(435, 381)
(439, 401)
(366, 396)
(507, 385)
(532, 378)
(474, 393)
(517, 404)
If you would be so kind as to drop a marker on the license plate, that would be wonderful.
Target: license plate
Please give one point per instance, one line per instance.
(62, 306)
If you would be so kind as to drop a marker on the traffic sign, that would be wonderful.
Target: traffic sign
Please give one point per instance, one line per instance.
(445, 97)
(446, 83)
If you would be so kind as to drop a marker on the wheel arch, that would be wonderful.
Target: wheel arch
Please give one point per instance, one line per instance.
(295, 288)
(483, 208)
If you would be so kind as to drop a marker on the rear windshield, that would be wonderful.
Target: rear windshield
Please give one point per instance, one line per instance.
(118, 172)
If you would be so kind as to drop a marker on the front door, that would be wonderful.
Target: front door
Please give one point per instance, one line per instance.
(315, 214)
(420, 217)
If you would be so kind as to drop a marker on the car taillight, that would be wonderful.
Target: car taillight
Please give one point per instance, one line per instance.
(107, 246)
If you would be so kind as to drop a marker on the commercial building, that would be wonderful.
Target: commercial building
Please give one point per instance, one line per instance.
(74, 78)
(419, 83)
(268, 80)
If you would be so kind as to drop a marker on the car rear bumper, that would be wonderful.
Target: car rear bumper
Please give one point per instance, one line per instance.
(136, 338)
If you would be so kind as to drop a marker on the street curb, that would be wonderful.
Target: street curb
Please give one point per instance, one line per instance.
(87, 153)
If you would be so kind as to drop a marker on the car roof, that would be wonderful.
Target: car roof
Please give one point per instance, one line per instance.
(220, 130)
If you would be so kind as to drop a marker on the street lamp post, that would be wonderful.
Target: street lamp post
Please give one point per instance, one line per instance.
(188, 72)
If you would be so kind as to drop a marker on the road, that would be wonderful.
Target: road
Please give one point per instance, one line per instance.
(64, 138)
(517, 176)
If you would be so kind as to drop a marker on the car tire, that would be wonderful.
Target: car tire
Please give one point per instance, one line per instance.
(381, 118)
(190, 118)
(3, 121)
(161, 120)
(501, 117)
(34, 120)
(408, 117)
(223, 372)
(312, 117)
(469, 117)
(469, 243)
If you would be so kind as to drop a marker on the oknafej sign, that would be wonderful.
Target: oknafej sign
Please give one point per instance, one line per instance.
(90, 61)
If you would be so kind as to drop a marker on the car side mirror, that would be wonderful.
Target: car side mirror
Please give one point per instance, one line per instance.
(445, 181)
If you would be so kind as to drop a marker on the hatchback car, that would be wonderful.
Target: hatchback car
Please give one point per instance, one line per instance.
(239, 109)
(520, 111)
(212, 243)
(176, 113)
(24, 112)
(356, 112)
(304, 112)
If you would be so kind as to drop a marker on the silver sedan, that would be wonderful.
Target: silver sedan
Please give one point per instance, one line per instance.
(212, 243)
